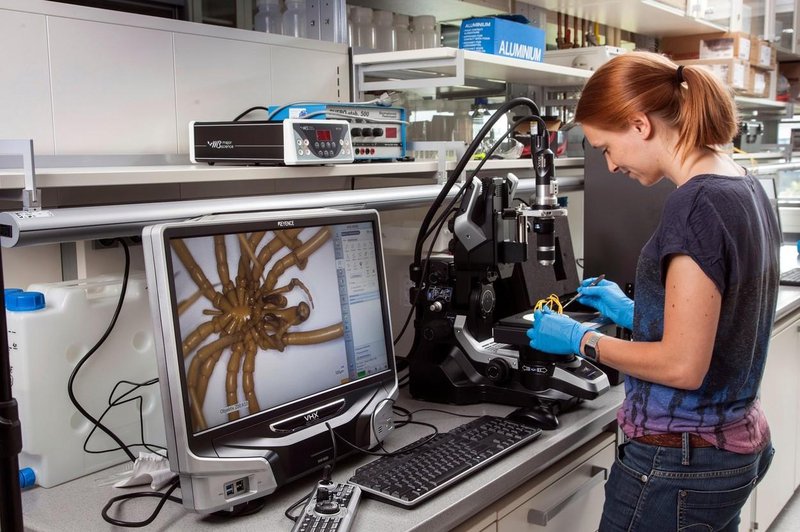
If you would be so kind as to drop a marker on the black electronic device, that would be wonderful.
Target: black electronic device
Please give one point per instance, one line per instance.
(330, 508)
(540, 416)
(459, 355)
(269, 329)
(295, 141)
(424, 468)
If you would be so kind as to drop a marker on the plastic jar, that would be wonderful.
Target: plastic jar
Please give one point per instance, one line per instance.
(268, 16)
(293, 22)
(385, 36)
(424, 34)
(363, 28)
(402, 33)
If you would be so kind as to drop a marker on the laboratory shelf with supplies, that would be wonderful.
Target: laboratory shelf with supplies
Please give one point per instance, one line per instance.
(92, 176)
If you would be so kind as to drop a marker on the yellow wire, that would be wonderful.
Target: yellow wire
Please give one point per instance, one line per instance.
(752, 159)
(552, 302)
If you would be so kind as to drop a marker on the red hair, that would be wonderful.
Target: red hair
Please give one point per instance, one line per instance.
(693, 101)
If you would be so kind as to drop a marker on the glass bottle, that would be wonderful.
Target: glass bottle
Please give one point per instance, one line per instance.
(268, 16)
(293, 22)
(402, 34)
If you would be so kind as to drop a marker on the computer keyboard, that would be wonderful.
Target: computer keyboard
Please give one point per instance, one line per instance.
(791, 277)
(408, 478)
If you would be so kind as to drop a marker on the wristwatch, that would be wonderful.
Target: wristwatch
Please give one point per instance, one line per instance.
(590, 347)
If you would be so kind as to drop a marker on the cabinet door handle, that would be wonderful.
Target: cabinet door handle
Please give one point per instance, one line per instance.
(597, 475)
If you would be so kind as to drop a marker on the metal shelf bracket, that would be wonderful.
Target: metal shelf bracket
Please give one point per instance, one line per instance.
(24, 148)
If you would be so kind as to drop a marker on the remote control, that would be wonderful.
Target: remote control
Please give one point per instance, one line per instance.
(332, 507)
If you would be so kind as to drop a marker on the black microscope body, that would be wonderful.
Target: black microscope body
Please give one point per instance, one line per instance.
(474, 304)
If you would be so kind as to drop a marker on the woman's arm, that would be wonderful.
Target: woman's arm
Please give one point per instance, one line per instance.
(691, 314)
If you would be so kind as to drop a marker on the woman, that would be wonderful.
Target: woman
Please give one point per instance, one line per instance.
(705, 294)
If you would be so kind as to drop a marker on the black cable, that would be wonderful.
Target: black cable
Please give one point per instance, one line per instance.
(462, 163)
(96, 346)
(439, 223)
(301, 501)
(445, 412)
(419, 443)
(248, 111)
(166, 496)
(118, 402)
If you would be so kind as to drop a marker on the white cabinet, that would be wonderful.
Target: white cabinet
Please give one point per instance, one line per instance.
(780, 398)
(566, 497)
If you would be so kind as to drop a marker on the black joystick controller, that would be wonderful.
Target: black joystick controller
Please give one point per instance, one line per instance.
(331, 506)
(326, 504)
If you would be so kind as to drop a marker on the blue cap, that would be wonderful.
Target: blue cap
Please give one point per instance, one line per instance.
(8, 291)
(27, 477)
(24, 301)
(798, 247)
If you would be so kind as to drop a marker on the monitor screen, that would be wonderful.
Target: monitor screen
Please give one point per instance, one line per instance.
(272, 335)
(270, 314)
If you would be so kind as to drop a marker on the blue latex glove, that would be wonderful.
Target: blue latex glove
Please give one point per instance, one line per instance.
(555, 333)
(609, 299)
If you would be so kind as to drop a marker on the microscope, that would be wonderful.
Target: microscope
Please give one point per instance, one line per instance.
(470, 343)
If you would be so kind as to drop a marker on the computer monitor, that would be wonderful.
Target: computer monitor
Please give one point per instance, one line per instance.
(272, 331)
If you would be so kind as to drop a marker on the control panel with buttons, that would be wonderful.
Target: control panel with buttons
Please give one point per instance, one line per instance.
(378, 132)
(307, 141)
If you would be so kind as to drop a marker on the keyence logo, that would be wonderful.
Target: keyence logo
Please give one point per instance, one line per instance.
(286, 223)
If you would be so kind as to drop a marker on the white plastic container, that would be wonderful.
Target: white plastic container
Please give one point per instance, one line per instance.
(293, 21)
(424, 33)
(44, 347)
(363, 28)
(268, 16)
(385, 36)
(402, 33)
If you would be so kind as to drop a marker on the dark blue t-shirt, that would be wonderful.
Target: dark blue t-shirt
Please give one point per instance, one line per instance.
(726, 225)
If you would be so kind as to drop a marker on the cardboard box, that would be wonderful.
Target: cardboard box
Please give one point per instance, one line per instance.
(763, 55)
(708, 46)
(502, 37)
(758, 83)
(733, 72)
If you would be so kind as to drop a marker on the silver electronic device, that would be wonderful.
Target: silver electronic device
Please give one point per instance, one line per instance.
(272, 335)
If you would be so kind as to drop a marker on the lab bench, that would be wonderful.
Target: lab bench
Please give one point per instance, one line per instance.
(76, 505)
(507, 495)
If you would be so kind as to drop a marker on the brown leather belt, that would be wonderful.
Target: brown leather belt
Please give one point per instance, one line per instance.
(672, 439)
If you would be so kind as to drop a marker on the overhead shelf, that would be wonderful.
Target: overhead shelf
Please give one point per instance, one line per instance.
(171, 174)
(448, 67)
(646, 17)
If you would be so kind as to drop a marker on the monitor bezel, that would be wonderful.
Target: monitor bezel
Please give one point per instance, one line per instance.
(204, 442)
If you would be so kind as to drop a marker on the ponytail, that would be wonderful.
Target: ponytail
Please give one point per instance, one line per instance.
(690, 99)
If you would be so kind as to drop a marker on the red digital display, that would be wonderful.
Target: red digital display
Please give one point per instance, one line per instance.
(391, 133)
(324, 135)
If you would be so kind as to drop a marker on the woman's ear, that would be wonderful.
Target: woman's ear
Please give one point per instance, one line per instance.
(641, 124)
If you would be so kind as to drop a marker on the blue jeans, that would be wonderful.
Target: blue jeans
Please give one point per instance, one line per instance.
(652, 489)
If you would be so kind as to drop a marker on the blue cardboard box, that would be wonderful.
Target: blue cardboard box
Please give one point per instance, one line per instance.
(502, 37)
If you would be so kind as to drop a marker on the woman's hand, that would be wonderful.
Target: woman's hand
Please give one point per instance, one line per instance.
(555, 333)
(608, 298)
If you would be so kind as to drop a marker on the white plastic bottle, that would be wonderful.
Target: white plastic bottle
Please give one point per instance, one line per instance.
(268, 16)
(363, 28)
(293, 22)
(402, 34)
(424, 35)
(385, 36)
